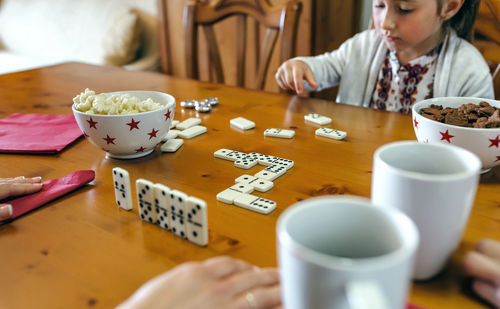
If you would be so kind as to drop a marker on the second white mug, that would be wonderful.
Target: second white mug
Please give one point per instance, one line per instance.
(435, 185)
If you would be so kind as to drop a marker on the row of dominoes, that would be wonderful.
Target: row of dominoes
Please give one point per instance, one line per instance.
(245, 124)
(172, 210)
(187, 129)
(239, 194)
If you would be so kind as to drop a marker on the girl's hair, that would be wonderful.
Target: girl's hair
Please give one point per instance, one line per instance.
(463, 21)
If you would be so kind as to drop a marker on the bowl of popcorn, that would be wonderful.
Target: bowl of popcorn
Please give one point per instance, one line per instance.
(125, 124)
(471, 123)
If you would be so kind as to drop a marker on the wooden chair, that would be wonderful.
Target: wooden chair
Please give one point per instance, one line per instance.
(278, 20)
(487, 37)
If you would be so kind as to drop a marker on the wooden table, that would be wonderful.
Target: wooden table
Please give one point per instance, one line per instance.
(82, 251)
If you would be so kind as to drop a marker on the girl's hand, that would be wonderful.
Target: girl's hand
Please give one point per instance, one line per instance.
(221, 282)
(14, 187)
(484, 265)
(291, 75)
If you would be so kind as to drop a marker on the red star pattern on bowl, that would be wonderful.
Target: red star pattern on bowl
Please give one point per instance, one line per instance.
(92, 123)
(133, 124)
(495, 141)
(446, 136)
(152, 133)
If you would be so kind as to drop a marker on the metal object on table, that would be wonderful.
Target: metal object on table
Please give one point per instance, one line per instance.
(203, 108)
(212, 101)
(190, 104)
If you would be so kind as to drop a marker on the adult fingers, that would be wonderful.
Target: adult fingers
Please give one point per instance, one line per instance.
(220, 267)
(483, 267)
(15, 189)
(5, 211)
(21, 179)
(487, 291)
(489, 247)
(263, 297)
(250, 279)
(11, 179)
(309, 76)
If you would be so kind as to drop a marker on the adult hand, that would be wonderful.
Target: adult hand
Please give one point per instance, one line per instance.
(220, 282)
(291, 75)
(14, 187)
(484, 264)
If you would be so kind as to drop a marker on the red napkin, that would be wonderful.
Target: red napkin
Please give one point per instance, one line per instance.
(37, 133)
(51, 190)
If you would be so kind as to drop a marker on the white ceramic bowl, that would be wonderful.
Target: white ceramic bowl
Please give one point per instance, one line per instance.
(482, 142)
(129, 136)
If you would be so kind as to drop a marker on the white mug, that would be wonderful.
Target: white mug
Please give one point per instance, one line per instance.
(435, 185)
(342, 252)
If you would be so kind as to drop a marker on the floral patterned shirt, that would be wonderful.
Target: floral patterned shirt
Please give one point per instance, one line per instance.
(399, 86)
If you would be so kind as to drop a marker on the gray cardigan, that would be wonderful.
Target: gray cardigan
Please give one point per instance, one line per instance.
(355, 65)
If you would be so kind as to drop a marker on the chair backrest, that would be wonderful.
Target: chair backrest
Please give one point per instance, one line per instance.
(489, 29)
(278, 20)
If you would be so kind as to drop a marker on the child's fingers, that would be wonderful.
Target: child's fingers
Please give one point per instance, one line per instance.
(277, 77)
(482, 267)
(490, 248)
(488, 291)
(280, 78)
(289, 80)
(280, 82)
(298, 81)
(309, 76)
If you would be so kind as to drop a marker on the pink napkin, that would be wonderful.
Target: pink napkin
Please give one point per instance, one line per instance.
(51, 190)
(37, 133)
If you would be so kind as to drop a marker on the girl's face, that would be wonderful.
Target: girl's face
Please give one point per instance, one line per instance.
(409, 27)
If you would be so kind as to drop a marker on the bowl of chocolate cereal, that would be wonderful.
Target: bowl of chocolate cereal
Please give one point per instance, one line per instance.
(470, 123)
(125, 124)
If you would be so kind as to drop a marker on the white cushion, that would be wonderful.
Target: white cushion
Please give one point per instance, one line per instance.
(93, 31)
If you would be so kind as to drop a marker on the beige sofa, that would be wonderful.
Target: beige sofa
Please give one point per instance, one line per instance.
(36, 33)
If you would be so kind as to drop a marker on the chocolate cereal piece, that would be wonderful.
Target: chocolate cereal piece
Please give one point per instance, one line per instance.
(456, 118)
(428, 116)
(434, 111)
(473, 117)
(486, 111)
(494, 120)
(447, 110)
(481, 123)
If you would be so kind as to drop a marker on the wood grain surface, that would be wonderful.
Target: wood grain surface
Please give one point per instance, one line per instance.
(83, 251)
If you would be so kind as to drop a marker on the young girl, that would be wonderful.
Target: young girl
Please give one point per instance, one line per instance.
(418, 50)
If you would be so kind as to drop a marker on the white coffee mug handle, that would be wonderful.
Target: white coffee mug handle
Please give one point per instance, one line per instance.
(364, 294)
